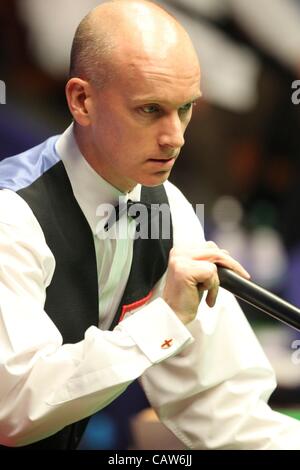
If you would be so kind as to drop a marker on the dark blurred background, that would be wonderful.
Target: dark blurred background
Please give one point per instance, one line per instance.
(241, 158)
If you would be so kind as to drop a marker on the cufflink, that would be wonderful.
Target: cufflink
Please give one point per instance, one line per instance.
(167, 343)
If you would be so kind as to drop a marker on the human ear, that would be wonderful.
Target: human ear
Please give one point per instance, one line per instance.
(79, 98)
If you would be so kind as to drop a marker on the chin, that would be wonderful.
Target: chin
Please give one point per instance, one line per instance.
(155, 180)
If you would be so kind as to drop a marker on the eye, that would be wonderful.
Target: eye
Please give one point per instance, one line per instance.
(150, 109)
(187, 107)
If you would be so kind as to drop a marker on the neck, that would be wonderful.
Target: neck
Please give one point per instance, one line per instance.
(85, 145)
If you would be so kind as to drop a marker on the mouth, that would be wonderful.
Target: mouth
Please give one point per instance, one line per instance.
(163, 163)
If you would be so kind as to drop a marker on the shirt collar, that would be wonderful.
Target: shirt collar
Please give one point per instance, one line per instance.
(89, 188)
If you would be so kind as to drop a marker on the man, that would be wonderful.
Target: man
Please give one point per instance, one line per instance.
(134, 79)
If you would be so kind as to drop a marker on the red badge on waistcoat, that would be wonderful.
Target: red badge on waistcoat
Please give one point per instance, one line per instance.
(134, 305)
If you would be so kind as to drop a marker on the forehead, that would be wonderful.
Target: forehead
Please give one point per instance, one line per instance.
(174, 80)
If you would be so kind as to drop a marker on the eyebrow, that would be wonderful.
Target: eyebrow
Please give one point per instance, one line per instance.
(149, 99)
(196, 98)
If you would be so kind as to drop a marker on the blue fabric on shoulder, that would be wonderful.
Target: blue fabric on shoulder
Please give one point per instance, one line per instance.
(20, 171)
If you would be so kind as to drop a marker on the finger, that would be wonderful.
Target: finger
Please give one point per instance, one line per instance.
(203, 273)
(213, 255)
(221, 258)
(211, 244)
(212, 295)
(211, 284)
(193, 252)
(228, 262)
(205, 250)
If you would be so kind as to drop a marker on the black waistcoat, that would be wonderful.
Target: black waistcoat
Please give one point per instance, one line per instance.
(72, 297)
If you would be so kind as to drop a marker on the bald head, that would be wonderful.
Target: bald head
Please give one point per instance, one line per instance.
(118, 32)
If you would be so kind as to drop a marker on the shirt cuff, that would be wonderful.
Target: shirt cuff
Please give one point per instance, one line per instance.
(157, 331)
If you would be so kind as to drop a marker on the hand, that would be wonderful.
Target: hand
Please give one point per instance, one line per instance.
(191, 273)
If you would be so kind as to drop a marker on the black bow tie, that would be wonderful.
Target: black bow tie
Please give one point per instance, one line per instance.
(122, 209)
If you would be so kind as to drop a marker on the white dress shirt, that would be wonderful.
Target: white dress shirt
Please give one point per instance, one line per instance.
(209, 387)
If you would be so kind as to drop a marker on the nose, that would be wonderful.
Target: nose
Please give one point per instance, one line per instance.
(171, 133)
